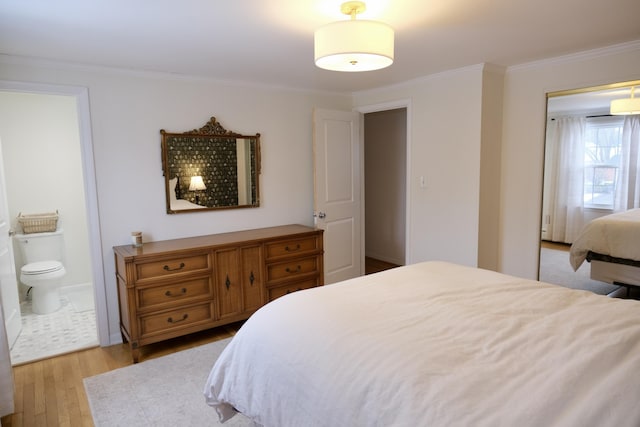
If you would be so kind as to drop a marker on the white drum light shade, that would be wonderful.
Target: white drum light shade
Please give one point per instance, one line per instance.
(625, 106)
(354, 46)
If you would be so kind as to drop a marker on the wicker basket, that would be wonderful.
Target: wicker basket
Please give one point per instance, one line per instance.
(38, 223)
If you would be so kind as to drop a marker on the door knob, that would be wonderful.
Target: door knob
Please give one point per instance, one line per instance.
(321, 215)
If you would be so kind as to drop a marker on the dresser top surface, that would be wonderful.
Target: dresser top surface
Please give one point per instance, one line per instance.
(187, 243)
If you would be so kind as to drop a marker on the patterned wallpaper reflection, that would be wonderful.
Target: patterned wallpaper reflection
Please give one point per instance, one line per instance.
(214, 159)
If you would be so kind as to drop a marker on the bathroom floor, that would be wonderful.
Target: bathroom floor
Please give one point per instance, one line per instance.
(71, 328)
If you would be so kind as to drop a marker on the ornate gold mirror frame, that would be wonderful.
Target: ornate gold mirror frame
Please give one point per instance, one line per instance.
(210, 168)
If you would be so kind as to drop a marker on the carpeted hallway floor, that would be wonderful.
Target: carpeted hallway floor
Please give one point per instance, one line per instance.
(555, 268)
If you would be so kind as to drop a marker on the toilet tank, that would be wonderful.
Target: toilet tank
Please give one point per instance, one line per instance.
(36, 247)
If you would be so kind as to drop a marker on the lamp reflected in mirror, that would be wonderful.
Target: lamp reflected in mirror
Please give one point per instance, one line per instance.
(197, 184)
(626, 106)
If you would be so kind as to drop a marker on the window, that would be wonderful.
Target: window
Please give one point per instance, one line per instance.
(603, 149)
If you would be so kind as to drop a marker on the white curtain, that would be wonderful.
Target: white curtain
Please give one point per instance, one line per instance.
(565, 136)
(6, 371)
(628, 187)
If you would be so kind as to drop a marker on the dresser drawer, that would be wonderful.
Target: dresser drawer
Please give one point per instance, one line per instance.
(292, 247)
(278, 291)
(292, 269)
(172, 266)
(177, 293)
(176, 319)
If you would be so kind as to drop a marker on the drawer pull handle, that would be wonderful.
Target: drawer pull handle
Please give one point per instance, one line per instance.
(288, 249)
(166, 267)
(227, 283)
(182, 292)
(296, 270)
(252, 278)
(184, 317)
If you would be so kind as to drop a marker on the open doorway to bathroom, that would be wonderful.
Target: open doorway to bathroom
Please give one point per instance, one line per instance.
(44, 173)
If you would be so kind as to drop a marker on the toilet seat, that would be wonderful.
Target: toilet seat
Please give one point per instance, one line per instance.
(41, 267)
(43, 279)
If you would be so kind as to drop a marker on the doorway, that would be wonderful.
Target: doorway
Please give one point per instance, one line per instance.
(52, 169)
(339, 185)
(385, 189)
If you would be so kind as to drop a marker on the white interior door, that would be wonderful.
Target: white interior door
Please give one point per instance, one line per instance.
(8, 280)
(337, 191)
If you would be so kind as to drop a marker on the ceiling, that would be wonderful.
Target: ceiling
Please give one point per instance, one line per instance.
(271, 42)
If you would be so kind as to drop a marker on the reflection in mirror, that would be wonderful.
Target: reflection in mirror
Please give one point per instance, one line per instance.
(591, 169)
(210, 168)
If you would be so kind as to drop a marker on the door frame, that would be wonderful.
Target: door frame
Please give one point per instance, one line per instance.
(374, 108)
(81, 95)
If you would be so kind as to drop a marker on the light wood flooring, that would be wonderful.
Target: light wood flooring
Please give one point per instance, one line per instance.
(372, 265)
(555, 245)
(50, 392)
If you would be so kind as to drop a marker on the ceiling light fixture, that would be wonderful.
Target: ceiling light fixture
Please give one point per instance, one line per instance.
(625, 106)
(354, 45)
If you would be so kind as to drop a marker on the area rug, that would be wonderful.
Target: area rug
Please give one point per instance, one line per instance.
(166, 391)
(555, 268)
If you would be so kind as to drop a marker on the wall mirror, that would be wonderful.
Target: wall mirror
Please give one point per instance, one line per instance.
(210, 168)
(585, 175)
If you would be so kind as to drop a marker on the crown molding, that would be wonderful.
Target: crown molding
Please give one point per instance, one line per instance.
(581, 56)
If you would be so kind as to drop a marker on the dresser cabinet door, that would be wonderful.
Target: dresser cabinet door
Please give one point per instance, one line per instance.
(227, 273)
(238, 273)
(251, 277)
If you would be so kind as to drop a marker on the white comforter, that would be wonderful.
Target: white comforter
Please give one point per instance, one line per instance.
(434, 344)
(181, 204)
(617, 235)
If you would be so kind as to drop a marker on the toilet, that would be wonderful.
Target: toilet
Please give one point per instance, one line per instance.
(43, 270)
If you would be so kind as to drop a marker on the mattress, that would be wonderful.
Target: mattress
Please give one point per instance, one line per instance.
(616, 235)
(434, 344)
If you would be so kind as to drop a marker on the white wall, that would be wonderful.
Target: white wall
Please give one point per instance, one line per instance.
(444, 148)
(129, 109)
(43, 171)
(523, 140)
(447, 133)
(127, 112)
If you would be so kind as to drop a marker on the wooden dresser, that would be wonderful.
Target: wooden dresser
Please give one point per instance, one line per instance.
(175, 287)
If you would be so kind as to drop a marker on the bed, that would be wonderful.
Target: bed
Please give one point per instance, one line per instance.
(181, 204)
(611, 244)
(434, 344)
(176, 203)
